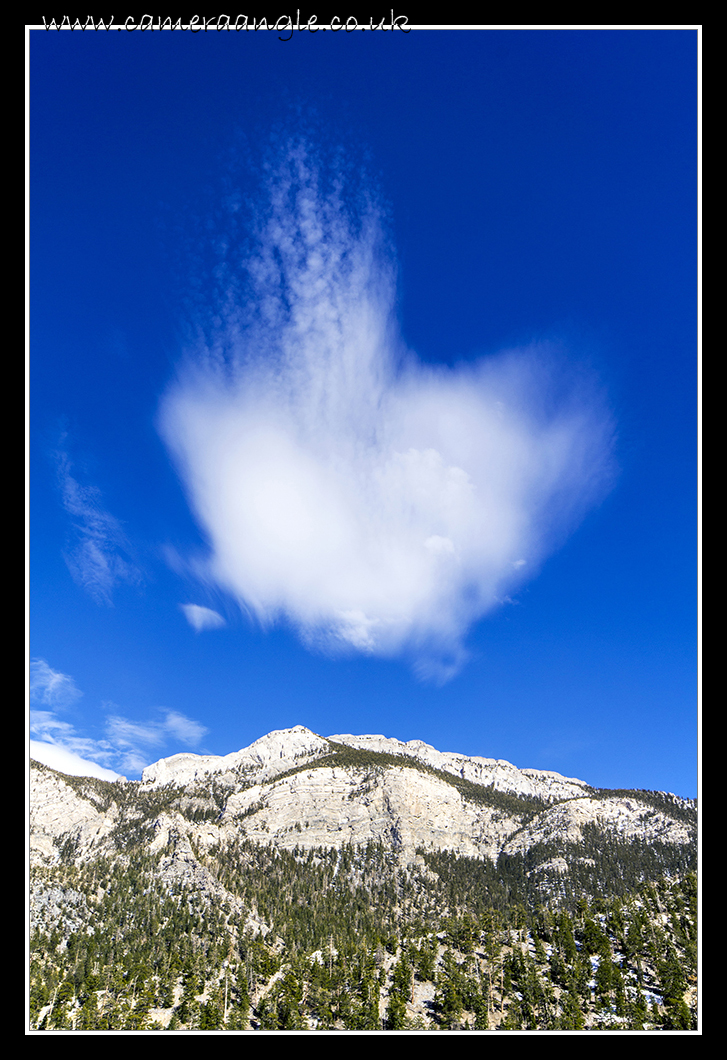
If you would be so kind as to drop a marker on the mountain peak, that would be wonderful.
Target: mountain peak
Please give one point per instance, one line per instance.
(273, 753)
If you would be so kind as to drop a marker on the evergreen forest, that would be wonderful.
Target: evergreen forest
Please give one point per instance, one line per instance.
(359, 938)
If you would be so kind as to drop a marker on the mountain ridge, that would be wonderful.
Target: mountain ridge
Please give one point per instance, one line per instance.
(185, 766)
(358, 882)
(294, 788)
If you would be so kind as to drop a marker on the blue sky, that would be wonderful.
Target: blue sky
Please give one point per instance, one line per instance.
(363, 394)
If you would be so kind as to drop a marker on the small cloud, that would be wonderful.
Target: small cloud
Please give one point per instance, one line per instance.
(185, 729)
(101, 556)
(201, 618)
(519, 563)
(129, 734)
(51, 687)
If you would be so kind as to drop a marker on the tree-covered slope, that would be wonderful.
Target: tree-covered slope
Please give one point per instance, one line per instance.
(358, 887)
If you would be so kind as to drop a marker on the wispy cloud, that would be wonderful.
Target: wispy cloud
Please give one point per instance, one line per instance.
(185, 729)
(126, 746)
(201, 618)
(51, 687)
(376, 503)
(135, 741)
(100, 557)
(53, 731)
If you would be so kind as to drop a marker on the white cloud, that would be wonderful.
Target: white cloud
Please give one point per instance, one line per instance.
(185, 729)
(376, 503)
(100, 558)
(201, 618)
(128, 734)
(51, 687)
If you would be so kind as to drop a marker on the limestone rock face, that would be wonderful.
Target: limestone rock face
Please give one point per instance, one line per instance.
(400, 807)
(59, 813)
(57, 907)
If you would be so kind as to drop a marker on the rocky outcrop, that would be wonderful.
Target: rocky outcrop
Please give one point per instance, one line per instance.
(54, 907)
(61, 814)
